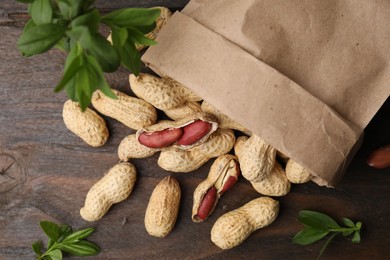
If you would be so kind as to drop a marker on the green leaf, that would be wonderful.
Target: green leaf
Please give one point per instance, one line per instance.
(98, 76)
(317, 220)
(25, 1)
(83, 86)
(81, 35)
(55, 254)
(119, 36)
(37, 247)
(86, 5)
(130, 57)
(69, 8)
(356, 237)
(90, 20)
(41, 11)
(81, 248)
(359, 225)
(347, 233)
(63, 44)
(105, 53)
(40, 38)
(132, 17)
(348, 222)
(139, 37)
(30, 24)
(78, 235)
(52, 230)
(71, 89)
(65, 231)
(69, 73)
(308, 236)
(50, 242)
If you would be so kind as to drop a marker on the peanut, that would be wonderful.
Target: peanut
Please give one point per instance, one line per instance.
(224, 120)
(163, 207)
(88, 125)
(275, 184)
(162, 93)
(132, 112)
(222, 176)
(184, 110)
(165, 14)
(114, 187)
(232, 228)
(380, 158)
(256, 158)
(184, 133)
(177, 160)
(296, 173)
(131, 148)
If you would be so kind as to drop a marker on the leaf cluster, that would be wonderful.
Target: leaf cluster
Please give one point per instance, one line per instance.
(73, 26)
(61, 238)
(319, 225)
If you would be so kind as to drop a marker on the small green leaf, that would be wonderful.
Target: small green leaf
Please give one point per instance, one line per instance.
(132, 17)
(105, 53)
(139, 37)
(69, 74)
(50, 242)
(90, 20)
(130, 57)
(348, 232)
(69, 8)
(317, 220)
(359, 225)
(81, 248)
(119, 36)
(30, 24)
(55, 254)
(41, 11)
(40, 38)
(83, 86)
(81, 35)
(25, 1)
(356, 237)
(308, 236)
(78, 235)
(37, 247)
(348, 222)
(65, 231)
(52, 230)
(71, 89)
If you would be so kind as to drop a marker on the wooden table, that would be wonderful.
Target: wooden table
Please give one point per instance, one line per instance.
(46, 171)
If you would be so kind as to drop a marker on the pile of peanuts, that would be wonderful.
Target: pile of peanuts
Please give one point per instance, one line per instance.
(196, 133)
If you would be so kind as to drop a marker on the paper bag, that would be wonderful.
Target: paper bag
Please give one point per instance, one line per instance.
(306, 76)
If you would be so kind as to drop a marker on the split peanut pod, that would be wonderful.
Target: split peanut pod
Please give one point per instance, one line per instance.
(163, 207)
(132, 112)
(232, 228)
(184, 133)
(222, 176)
(256, 158)
(162, 93)
(296, 173)
(114, 187)
(184, 110)
(165, 14)
(177, 160)
(275, 184)
(131, 148)
(88, 125)
(224, 120)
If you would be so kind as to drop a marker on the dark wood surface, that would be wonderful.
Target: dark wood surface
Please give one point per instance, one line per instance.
(46, 171)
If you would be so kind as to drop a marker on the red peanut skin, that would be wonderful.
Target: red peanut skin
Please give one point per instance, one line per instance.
(160, 139)
(230, 181)
(194, 132)
(207, 203)
(380, 158)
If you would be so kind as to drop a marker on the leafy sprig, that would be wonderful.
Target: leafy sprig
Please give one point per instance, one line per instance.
(73, 26)
(63, 239)
(319, 225)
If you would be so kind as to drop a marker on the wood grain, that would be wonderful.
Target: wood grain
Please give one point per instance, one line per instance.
(46, 172)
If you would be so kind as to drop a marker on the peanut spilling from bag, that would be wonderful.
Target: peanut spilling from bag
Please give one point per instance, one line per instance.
(130, 111)
(184, 134)
(163, 207)
(162, 93)
(114, 187)
(177, 160)
(224, 120)
(257, 159)
(88, 125)
(222, 176)
(232, 228)
(296, 173)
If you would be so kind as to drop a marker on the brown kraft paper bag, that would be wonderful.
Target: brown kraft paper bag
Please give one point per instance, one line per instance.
(306, 76)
